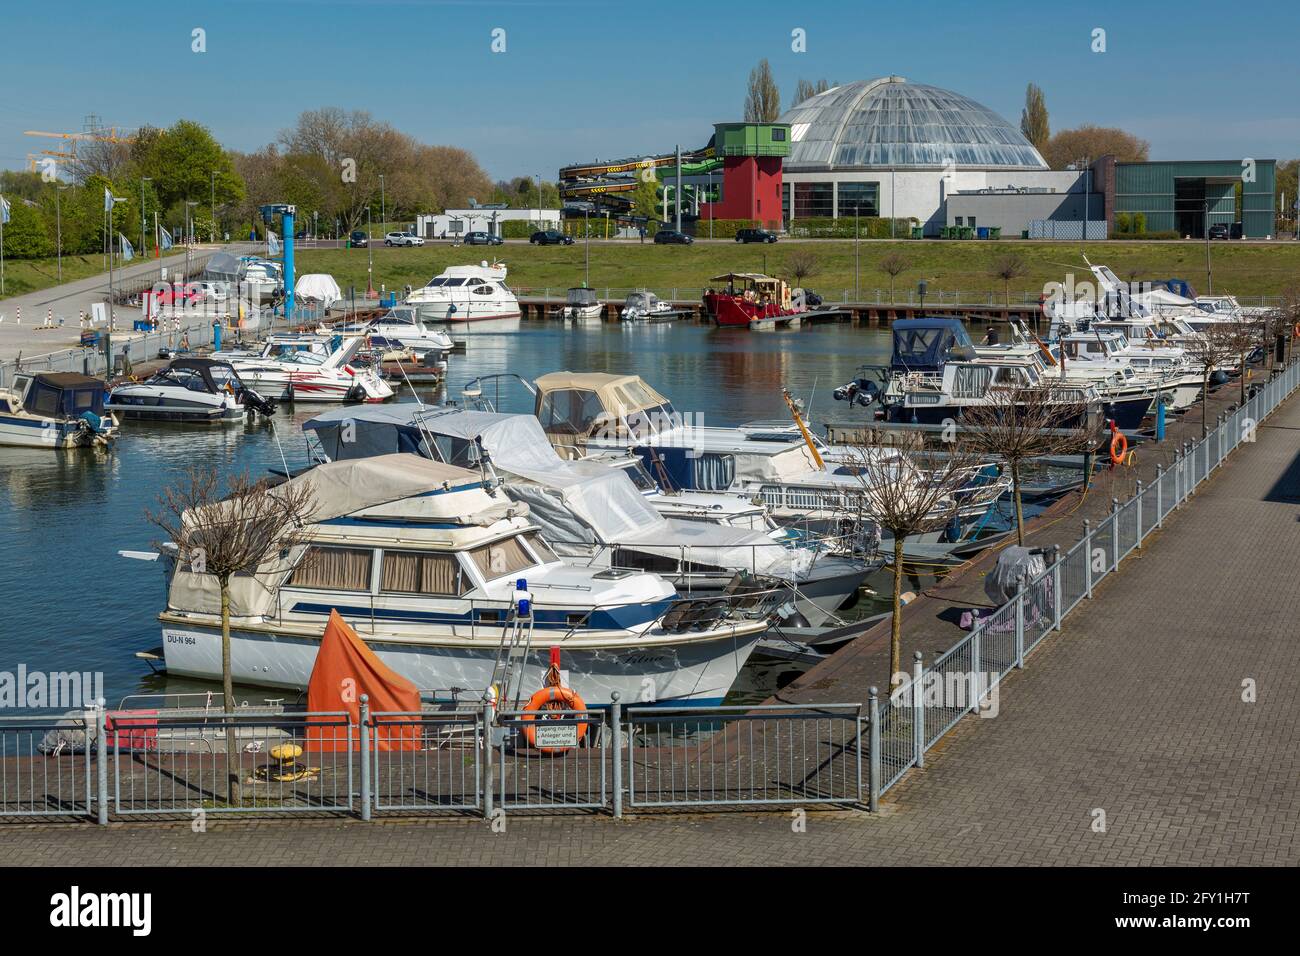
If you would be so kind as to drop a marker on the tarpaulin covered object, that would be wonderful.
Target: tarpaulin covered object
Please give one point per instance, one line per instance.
(345, 669)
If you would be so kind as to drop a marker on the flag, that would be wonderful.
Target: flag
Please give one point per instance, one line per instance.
(128, 251)
(4, 210)
(108, 200)
(272, 244)
(166, 238)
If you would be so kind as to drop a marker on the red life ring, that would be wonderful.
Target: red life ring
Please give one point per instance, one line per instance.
(1117, 438)
(551, 698)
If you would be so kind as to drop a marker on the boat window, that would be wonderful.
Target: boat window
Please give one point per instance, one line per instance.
(640, 477)
(500, 558)
(540, 548)
(409, 572)
(714, 472)
(483, 290)
(971, 381)
(570, 411)
(473, 282)
(335, 569)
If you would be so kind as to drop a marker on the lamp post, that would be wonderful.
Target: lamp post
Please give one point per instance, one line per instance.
(586, 225)
(58, 227)
(370, 255)
(857, 243)
(383, 204)
(920, 288)
(188, 243)
(212, 198)
(711, 203)
(1209, 273)
(144, 246)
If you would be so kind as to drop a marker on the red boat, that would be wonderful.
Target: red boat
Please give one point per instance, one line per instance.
(751, 299)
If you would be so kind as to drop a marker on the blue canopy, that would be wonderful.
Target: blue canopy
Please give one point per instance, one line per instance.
(923, 345)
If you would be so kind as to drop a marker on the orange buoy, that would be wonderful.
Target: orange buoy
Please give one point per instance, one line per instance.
(1118, 446)
(554, 696)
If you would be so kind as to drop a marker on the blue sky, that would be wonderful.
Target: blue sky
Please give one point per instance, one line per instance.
(584, 80)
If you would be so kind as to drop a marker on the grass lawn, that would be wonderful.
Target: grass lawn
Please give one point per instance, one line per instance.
(30, 275)
(1239, 268)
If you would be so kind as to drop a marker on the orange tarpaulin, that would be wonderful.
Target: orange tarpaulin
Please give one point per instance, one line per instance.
(345, 669)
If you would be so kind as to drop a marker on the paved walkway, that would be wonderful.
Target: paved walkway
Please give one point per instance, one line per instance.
(1135, 709)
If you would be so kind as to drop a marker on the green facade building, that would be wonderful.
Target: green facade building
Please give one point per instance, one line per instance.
(1189, 196)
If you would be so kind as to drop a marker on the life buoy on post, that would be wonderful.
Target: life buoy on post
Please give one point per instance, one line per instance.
(1118, 445)
(554, 696)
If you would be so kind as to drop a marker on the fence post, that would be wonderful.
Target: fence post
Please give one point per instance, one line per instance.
(1020, 629)
(873, 756)
(101, 763)
(1057, 610)
(1114, 534)
(615, 712)
(1087, 553)
(365, 756)
(1189, 477)
(918, 711)
(975, 666)
(488, 717)
(1138, 505)
(1160, 496)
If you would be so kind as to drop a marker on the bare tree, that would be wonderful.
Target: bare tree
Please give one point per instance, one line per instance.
(763, 99)
(907, 494)
(228, 535)
(1010, 266)
(893, 264)
(1210, 351)
(1022, 423)
(1242, 334)
(802, 263)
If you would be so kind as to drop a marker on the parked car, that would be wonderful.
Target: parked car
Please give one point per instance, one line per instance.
(672, 237)
(403, 239)
(482, 239)
(755, 235)
(1220, 231)
(550, 237)
(359, 238)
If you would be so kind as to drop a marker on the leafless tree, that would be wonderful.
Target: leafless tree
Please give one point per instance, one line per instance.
(907, 494)
(802, 263)
(893, 264)
(1243, 334)
(225, 535)
(1022, 423)
(762, 98)
(1209, 351)
(1010, 266)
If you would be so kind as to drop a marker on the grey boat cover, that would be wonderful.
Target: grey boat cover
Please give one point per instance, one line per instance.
(1016, 567)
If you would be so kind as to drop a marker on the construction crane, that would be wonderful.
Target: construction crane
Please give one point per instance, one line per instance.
(93, 133)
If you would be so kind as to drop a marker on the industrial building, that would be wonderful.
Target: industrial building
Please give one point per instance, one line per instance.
(1188, 196)
(484, 218)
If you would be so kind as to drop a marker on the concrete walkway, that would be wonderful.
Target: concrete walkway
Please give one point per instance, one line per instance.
(1135, 710)
(70, 298)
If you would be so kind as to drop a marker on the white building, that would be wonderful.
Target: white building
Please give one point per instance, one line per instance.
(457, 222)
(887, 147)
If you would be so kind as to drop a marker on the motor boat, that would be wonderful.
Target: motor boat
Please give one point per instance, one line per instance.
(55, 410)
(308, 367)
(804, 482)
(645, 306)
(189, 390)
(449, 582)
(465, 294)
(400, 329)
(581, 303)
(753, 300)
(594, 516)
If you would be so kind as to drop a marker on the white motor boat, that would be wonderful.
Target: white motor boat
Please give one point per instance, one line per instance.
(307, 367)
(400, 329)
(55, 410)
(447, 581)
(465, 294)
(581, 303)
(189, 390)
(645, 306)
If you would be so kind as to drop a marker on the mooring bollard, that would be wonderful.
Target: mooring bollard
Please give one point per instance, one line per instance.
(873, 756)
(615, 712)
(101, 763)
(365, 756)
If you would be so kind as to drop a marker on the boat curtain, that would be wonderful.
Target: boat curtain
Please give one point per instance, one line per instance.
(501, 558)
(714, 472)
(419, 573)
(346, 569)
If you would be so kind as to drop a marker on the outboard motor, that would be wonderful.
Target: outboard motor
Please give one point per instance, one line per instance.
(253, 402)
(860, 391)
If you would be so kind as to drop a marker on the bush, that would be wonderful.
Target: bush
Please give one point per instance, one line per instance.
(1123, 223)
(871, 227)
(724, 228)
(517, 229)
(1139, 222)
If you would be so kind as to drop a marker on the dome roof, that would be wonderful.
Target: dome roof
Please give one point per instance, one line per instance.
(891, 122)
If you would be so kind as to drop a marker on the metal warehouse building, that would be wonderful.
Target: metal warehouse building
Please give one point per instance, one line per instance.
(1186, 196)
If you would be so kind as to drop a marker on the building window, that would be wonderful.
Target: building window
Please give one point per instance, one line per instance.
(862, 199)
(814, 200)
(778, 135)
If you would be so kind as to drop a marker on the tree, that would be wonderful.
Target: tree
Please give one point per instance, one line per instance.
(645, 199)
(805, 90)
(25, 234)
(905, 495)
(1242, 334)
(187, 163)
(1021, 423)
(893, 264)
(227, 535)
(801, 264)
(1073, 146)
(1033, 118)
(1010, 266)
(1210, 351)
(763, 99)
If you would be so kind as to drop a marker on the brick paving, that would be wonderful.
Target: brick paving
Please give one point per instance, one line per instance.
(1135, 709)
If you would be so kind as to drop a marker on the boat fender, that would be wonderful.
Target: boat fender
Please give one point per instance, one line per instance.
(795, 619)
(554, 697)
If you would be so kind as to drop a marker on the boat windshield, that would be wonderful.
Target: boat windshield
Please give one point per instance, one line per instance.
(439, 281)
(501, 558)
(184, 377)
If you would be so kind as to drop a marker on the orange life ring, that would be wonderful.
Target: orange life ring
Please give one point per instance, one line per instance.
(1117, 438)
(551, 698)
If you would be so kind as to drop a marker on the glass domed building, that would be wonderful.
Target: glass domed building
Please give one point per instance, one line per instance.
(887, 147)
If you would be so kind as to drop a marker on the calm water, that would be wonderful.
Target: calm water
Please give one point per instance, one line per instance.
(68, 602)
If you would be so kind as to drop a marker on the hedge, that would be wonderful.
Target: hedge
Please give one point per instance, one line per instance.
(870, 227)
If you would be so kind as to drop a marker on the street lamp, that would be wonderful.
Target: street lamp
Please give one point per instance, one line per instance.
(58, 225)
(1209, 273)
(711, 203)
(144, 246)
(189, 243)
(383, 206)
(213, 201)
(370, 256)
